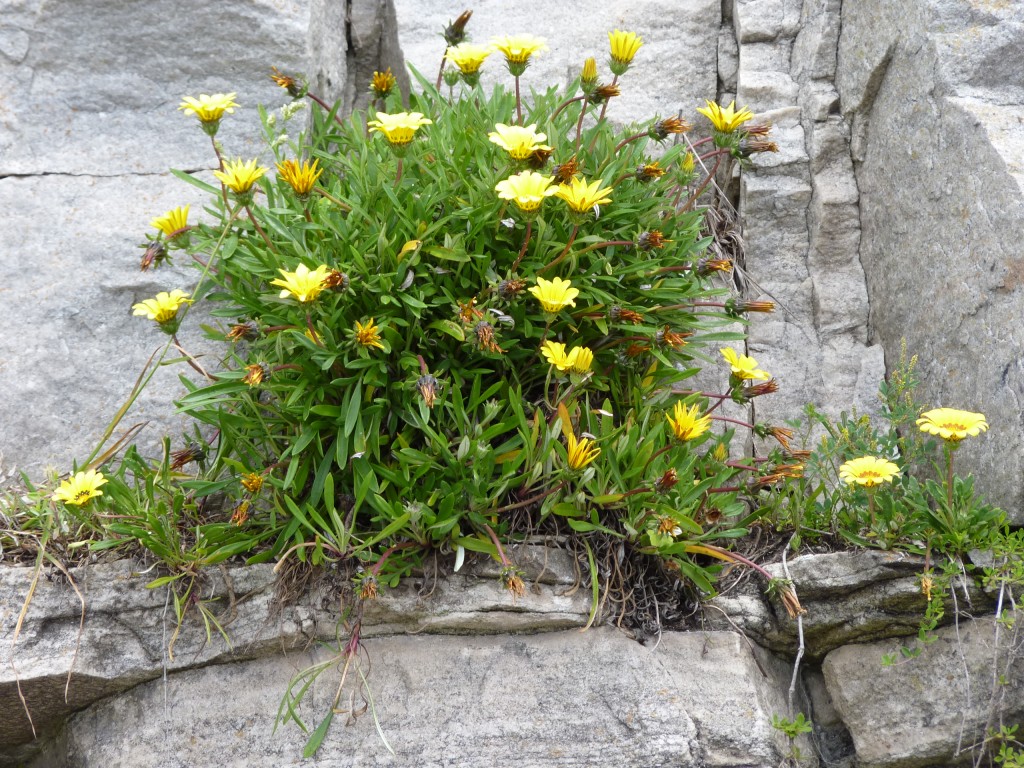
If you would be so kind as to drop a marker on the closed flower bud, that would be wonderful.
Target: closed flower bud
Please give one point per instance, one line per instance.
(455, 32)
(588, 77)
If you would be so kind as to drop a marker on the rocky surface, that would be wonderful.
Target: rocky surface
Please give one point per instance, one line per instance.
(937, 143)
(931, 710)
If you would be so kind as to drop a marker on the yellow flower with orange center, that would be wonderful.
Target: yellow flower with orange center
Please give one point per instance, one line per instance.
(239, 176)
(555, 295)
(163, 307)
(517, 50)
(400, 128)
(582, 197)
(725, 119)
(952, 425)
(743, 367)
(79, 489)
(519, 141)
(300, 176)
(687, 423)
(304, 284)
(173, 222)
(868, 471)
(580, 452)
(527, 190)
(368, 334)
(467, 57)
(209, 109)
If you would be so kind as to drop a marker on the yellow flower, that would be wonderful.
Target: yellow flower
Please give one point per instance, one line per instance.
(577, 360)
(300, 177)
(554, 295)
(209, 109)
(725, 119)
(304, 284)
(163, 307)
(588, 77)
(686, 423)
(868, 471)
(252, 482)
(743, 367)
(581, 452)
(79, 489)
(172, 222)
(518, 49)
(520, 142)
(527, 189)
(951, 424)
(383, 83)
(368, 335)
(624, 46)
(399, 128)
(467, 57)
(239, 176)
(581, 197)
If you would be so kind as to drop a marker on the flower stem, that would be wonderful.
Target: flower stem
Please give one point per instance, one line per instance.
(440, 74)
(494, 538)
(949, 481)
(529, 501)
(568, 245)
(700, 190)
(259, 229)
(313, 97)
(398, 174)
(519, 104)
(627, 140)
(600, 118)
(526, 242)
(579, 124)
(563, 105)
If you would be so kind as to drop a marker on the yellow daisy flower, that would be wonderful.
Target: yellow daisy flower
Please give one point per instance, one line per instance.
(368, 335)
(581, 197)
(951, 424)
(581, 452)
(868, 471)
(624, 46)
(79, 489)
(686, 422)
(163, 307)
(304, 284)
(519, 141)
(173, 222)
(577, 360)
(743, 367)
(399, 128)
(555, 295)
(300, 177)
(209, 109)
(527, 190)
(467, 57)
(517, 50)
(239, 176)
(725, 119)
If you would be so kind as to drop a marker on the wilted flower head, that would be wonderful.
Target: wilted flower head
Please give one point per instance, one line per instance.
(77, 490)
(382, 83)
(455, 32)
(649, 240)
(624, 46)
(564, 172)
(749, 146)
(191, 452)
(725, 119)
(739, 307)
(758, 390)
(670, 338)
(295, 89)
(708, 267)
(300, 176)
(485, 340)
(555, 295)
(399, 128)
(172, 223)
(518, 140)
(868, 471)
(241, 512)
(252, 482)
(526, 189)
(649, 172)
(667, 481)
(662, 129)
(952, 425)
(602, 93)
(668, 526)
(512, 581)
(256, 374)
(428, 387)
(246, 331)
(155, 253)
(539, 157)
(618, 314)
(510, 289)
(468, 311)
(303, 284)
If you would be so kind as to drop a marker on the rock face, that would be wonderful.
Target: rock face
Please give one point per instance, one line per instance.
(937, 143)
